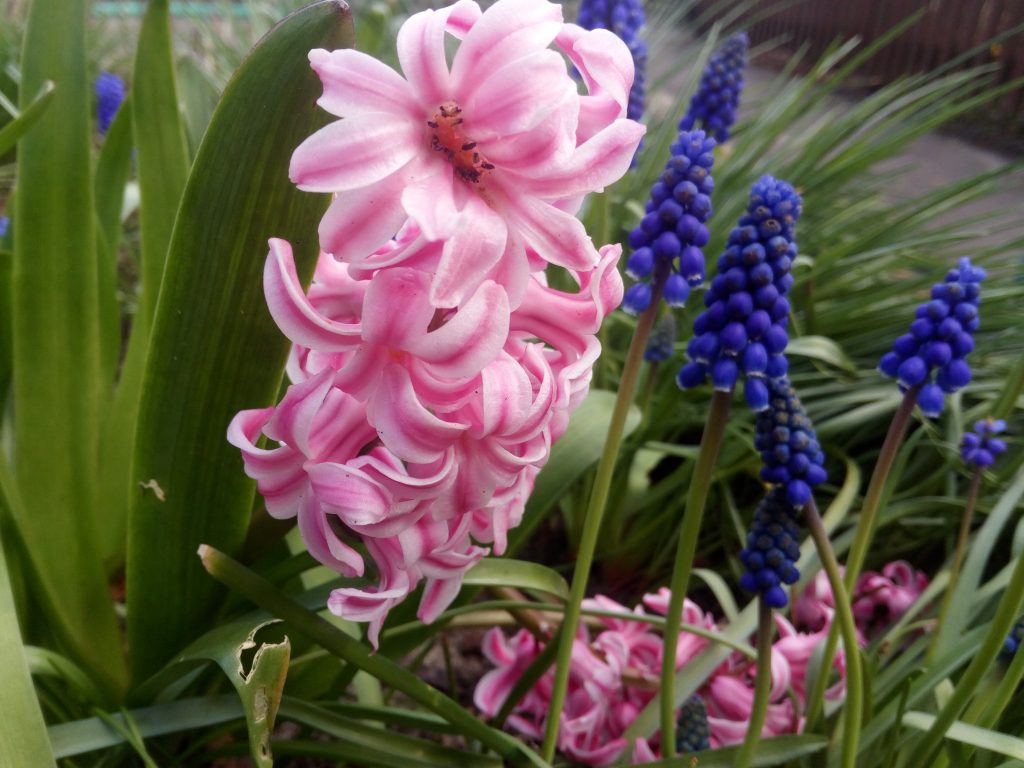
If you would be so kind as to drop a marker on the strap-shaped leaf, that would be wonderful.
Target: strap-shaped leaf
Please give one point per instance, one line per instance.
(15, 129)
(504, 572)
(57, 391)
(23, 738)
(214, 348)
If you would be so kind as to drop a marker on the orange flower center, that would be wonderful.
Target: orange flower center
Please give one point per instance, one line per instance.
(448, 139)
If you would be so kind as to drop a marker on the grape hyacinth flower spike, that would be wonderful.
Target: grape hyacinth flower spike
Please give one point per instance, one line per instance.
(713, 107)
(626, 19)
(694, 733)
(939, 340)
(982, 447)
(743, 328)
(773, 548)
(667, 244)
(110, 92)
(789, 445)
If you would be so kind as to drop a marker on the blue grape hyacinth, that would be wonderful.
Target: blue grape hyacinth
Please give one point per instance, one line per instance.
(5, 224)
(743, 328)
(667, 244)
(1014, 640)
(791, 454)
(110, 92)
(661, 344)
(693, 733)
(982, 447)
(713, 107)
(773, 549)
(939, 340)
(626, 19)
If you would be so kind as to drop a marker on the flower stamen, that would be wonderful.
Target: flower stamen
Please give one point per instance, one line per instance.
(460, 151)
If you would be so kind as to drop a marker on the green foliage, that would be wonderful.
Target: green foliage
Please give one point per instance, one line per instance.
(133, 331)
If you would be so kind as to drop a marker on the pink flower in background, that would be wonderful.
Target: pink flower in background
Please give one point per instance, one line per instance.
(614, 675)
(490, 157)
(879, 599)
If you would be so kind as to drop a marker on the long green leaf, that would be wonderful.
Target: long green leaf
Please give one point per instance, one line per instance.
(502, 572)
(57, 379)
(17, 128)
(23, 740)
(112, 172)
(81, 736)
(780, 750)
(254, 588)
(214, 348)
(993, 741)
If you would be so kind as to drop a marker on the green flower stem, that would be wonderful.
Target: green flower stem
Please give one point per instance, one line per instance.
(264, 594)
(854, 708)
(958, 557)
(696, 499)
(762, 684)
(862, 538)
(1006, 614)
(592, 521)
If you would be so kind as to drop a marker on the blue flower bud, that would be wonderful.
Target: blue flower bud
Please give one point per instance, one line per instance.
(676, 290)
(637, 298)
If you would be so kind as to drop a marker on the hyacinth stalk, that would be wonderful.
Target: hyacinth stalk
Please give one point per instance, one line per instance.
(593, 518)
(762, 685)
(696, 500)
(979, 450)
(854, 708)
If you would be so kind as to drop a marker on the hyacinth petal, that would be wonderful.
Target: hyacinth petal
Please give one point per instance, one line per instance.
(295, 316)
(323, 543)
(430, 202)
(408, 429)
(471, 338)
(396, 311)
(555, 235)
(509, 30)
(355, 82)
(349, 493)
(360, 221)
(421, 54)
(354, 152)
(293, 419)
(277, 471)
(517, 97)
(603, 60)
(596, 163)
(476, 246)
(438, 594)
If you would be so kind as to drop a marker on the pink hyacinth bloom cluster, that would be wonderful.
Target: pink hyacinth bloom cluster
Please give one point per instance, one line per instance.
(879, 599)
(615, 672)
(432, 365)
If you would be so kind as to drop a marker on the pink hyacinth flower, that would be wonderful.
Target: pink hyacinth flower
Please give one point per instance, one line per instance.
(489, 157)
(879, 599)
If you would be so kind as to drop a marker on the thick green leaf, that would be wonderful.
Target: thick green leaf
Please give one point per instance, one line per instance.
(81, 736)
(503, 572)
(215, 349)
(965, 593)
(779, 750)
(993, 741)
(112, 172)
(388, 748)
(17, 128)
(57, 372)
(23, 740)
(334, 640)
(576, 451)
(821, 348)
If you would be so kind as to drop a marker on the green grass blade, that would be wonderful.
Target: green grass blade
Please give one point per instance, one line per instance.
(993, 741)
(17, 128)
(82, 736)
(23, 740)
(57, 376)
(215, 349)
(112, 172)
(162, 154)
(502, 572)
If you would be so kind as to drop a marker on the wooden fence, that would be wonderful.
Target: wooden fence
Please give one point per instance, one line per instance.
(947, 29)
